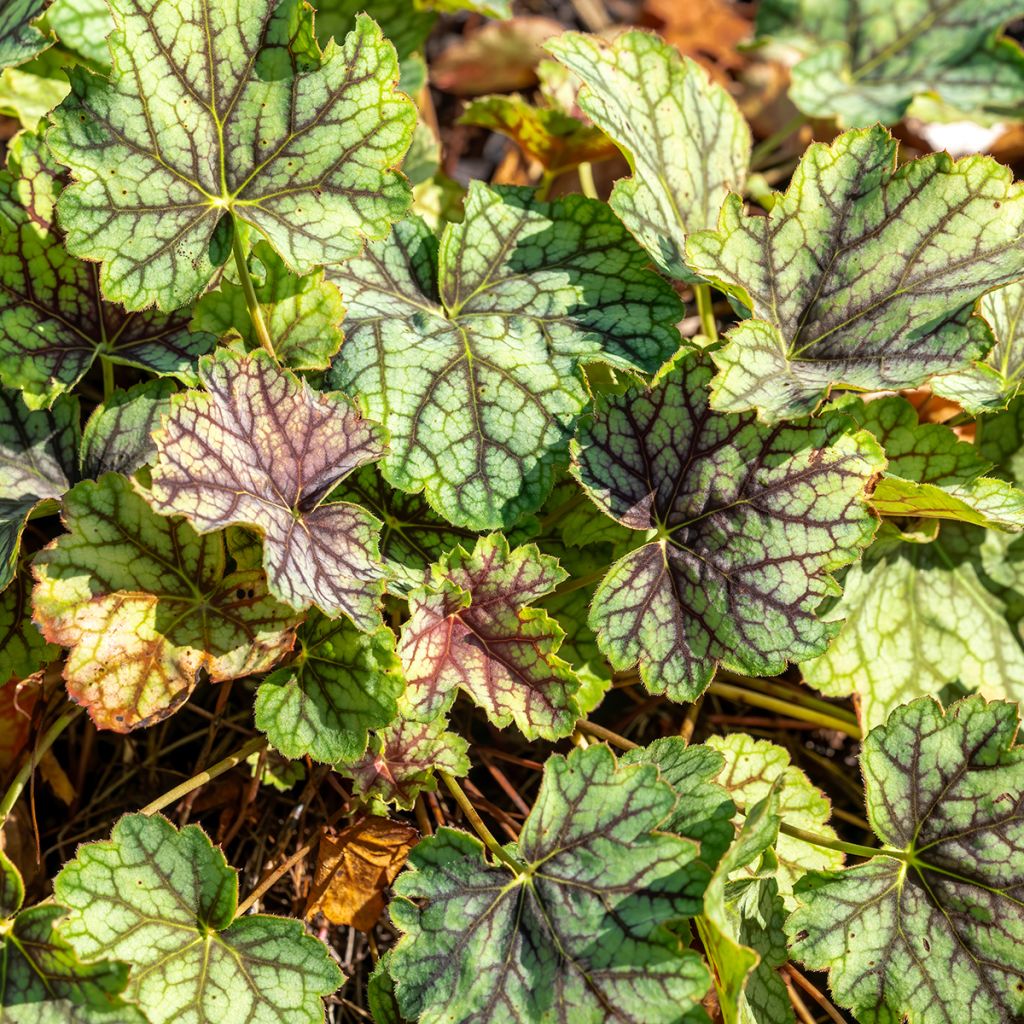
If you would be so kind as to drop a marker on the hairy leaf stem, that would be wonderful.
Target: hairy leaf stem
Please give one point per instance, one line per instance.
(843, 847)
(249, 290)
(479, 827)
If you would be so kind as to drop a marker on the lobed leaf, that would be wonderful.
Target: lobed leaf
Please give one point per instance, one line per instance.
(748, 522)
(260, 448)
(210, 117)
(863, 274)
(469, 353)
(164, 900)
(144, 603)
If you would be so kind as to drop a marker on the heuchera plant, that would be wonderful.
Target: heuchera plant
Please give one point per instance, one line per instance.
(415, 470)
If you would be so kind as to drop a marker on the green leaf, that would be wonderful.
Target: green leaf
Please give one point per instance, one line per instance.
(339, 685)
(164, 900)
(413, 535)
(260, 448)
(555, 139)
(936, 935)
(20, 39)
(82, 26)
(931, 473)
(54, 323)
(864, 274)
(471, 628)
(402, 759)
(30, 97)
(469, 354)
(302, 314)
(752, 768)
(581, 929)
(38, 462)
(865, 62)
(404, 24)
(747, 524)
(42, 981)
(918, 618)
(640, 91)
(742, 924)
(703, 809)
(145, 603)
(164, 156)
(990, 385)
(118, 435)
(23, 650)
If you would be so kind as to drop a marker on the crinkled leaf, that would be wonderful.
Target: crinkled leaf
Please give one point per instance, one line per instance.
(918, 618)
(752, 767)
(118, 436)
(260, 448)
(145, 603)
(164, 901)
(742, 925)
(930, 473)
(401, 760)
(703, 809)
(935, 937)
(863, 274)
(469, 354)
(750, 522)
(23, 650)
(989, 385)
(340, 684)
(684, 136)
(38, 461)
(54, 322)
(302, 314)
(550, 136)
(581, 930)
(20, 39)
(471, 628)
(412, 535)
(196, 127)
(865, 61)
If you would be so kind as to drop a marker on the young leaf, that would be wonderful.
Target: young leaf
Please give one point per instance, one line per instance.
(750, 521)
(194, 130)
(752, 768)
(866, 62)
(930, 473)
(936, 934)
(641, 92)
(144, 603)
(918, 618)
(20, 38)
(401, 761)
(118, 436)
(164, 901)
(471, 628)
(580, 929)
(302, 314)
(339, 685)
(23, 650)
(260, 448)
(862, 275)
(54, 323)
(38, 462)
(990, 385)
(469, 354)
(43, 981)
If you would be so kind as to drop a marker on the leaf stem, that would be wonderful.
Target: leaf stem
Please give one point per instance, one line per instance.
(586, 173)
(843, 847)
(108, 377)
(786, 707)
(207, 775)
(786, 693)
(706, 311)
(24, 773)
(249, 290)
(479, 827)
(601, 733)
(544, 185)
(767, 147)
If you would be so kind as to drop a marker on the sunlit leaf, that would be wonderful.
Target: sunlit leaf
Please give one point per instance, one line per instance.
(863, 274)
(20, 39)
(145, 603)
